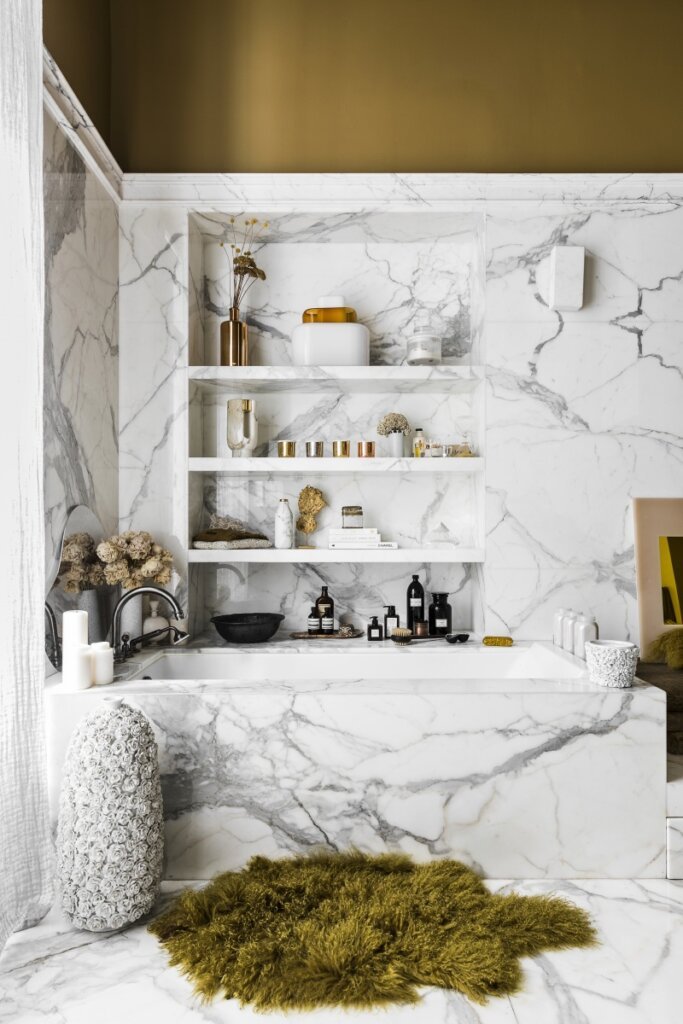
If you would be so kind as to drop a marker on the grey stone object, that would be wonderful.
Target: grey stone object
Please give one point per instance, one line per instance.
(110, 834)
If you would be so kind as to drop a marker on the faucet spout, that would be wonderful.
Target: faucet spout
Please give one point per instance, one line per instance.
(119, 653)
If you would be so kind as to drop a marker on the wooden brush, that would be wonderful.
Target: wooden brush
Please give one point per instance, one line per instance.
(401, 636)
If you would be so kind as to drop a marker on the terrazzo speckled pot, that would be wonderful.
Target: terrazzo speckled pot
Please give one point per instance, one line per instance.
(110, 832)
(611, 662)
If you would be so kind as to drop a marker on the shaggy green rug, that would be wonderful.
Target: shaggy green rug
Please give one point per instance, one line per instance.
(359, 931)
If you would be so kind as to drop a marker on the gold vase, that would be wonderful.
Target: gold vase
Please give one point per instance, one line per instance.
(234, 340)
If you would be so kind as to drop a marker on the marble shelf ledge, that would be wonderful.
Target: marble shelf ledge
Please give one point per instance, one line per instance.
(324, 555)
(269, 464)
(338, 379)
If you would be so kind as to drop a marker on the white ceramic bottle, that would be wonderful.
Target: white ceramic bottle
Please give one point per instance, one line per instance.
(568, 620)
(155, 621)
(557, 626)
(585, 629)
(284, 525)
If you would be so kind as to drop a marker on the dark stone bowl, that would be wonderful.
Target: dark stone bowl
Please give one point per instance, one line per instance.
(247, 627)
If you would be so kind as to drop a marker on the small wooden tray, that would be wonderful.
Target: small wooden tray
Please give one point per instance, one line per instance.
(327, 636)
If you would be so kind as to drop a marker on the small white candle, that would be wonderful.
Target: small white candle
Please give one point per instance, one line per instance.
(102, 657)
(77, 675)
(74, 635)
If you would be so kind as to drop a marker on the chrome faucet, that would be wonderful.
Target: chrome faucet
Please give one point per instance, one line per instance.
(123, 646)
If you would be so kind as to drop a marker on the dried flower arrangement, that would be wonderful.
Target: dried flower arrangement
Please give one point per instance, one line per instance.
(244, 269)
(393, 423)
(79, 569)
(133, 559)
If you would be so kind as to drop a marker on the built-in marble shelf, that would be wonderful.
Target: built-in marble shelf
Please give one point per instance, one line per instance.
(243, 466)
(404, 556)
(338, 379)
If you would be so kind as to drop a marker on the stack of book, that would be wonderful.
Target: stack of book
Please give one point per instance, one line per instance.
(363, 539)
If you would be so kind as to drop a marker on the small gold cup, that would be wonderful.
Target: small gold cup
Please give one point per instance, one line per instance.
(366, 449)
(341, 449)
(315, 449)
(286, 449)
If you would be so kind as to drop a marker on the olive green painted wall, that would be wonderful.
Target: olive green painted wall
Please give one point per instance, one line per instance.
(392, 85)
(77, 34)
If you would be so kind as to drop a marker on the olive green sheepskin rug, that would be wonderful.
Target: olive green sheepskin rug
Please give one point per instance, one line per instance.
(359, 931)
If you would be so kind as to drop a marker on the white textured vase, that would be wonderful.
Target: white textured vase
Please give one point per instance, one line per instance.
(110, 830)
(611, 662)
(395, 439)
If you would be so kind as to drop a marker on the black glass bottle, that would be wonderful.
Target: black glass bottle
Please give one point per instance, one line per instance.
(314, 622)
(325, 608)
(415, 610)
(440, 615)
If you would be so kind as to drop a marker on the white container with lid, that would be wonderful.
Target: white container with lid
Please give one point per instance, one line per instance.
(568, 620)
(424, 347)
(331, 339)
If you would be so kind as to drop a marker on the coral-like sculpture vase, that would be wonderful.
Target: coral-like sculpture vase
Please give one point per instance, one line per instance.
(110, 831)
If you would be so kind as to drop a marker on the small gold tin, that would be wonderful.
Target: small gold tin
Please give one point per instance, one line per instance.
(366, 449)
(341, 449)
(286, 449)
(315, 449)
(421, 628)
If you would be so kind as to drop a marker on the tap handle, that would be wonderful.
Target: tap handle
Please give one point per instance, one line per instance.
(125, 646)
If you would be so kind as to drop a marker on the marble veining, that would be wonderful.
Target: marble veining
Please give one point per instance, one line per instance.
(523, 781)
(54, 973)
(81, 352)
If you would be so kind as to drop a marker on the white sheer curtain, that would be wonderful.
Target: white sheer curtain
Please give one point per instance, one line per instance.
(25, 889)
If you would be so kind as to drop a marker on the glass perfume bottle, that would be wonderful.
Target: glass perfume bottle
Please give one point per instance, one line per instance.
(415, 610)
(419, 443)
(325, 608)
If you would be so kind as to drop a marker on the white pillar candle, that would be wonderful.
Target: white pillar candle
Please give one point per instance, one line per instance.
(74, 635)
(78, 673)
(102, 656)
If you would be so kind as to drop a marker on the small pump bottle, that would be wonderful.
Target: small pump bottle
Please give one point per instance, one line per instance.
(391, 621)
(375, 631)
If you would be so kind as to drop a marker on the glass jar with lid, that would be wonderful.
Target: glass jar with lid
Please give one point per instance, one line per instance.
(424, 347)
(352, 517)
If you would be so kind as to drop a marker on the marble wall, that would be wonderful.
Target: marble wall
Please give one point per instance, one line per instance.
(585, 409)
(582, 408)
(81, 363)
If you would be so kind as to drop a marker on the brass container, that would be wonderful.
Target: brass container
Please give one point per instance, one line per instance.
(286, 449)
(421, 628)
(234, 340)
(366, 449)
(315, 449)
(341, 449)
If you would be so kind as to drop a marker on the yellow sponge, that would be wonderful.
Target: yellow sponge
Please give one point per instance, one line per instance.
(497, 641)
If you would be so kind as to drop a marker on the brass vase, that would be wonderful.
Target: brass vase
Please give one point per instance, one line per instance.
(234, 340)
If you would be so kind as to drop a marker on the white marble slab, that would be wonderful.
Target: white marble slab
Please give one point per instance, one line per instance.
(674, 848)
(520, 781)
(632, 977)
(81, 457)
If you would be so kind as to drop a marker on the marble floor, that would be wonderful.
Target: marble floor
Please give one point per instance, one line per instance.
(52, 974)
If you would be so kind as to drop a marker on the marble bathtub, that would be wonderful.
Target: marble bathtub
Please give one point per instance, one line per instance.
(510, 760)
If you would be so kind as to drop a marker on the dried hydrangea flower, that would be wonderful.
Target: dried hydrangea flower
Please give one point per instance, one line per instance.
(393, 423)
